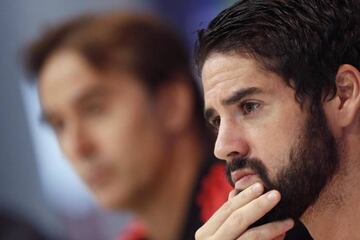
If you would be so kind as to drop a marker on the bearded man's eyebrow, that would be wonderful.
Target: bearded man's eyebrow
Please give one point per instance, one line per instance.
(238, 95)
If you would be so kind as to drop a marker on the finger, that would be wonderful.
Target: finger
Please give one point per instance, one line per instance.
(238, 201)
(244, 183)
(269, 231)
(281, 237)
(238, 189)
(242, 218)
(233, 193)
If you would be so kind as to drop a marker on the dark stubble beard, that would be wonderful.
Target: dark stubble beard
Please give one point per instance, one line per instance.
(312, 163)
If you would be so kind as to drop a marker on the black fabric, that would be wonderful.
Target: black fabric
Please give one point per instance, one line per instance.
(193, 221)
(14, 228)
(299, 232)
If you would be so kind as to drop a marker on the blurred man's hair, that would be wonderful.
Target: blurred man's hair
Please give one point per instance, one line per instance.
(140, 44)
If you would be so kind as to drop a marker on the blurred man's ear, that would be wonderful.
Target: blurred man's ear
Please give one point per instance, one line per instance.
(345, 107)
(174, 102)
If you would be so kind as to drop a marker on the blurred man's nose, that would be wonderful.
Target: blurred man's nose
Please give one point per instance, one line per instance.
(230, 142)
(77, 142)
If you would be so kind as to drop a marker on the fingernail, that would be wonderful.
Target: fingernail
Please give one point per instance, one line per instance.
(272, 195)
(256, 188)
(289, 223)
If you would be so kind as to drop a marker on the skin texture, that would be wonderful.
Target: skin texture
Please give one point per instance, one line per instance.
(105, 125)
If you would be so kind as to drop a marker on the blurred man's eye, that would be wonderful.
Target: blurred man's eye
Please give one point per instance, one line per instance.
(94, 108)
(57, 125)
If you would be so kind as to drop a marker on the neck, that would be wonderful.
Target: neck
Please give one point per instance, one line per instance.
(164, 213)
(336, 214)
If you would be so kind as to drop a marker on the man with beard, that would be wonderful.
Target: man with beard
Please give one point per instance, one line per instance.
(282, 91)
(118, 91)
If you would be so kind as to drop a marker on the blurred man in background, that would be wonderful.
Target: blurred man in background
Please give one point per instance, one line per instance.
(118, 91)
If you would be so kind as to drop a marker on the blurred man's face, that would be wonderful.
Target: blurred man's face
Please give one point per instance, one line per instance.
(107, 127)
(265, 136)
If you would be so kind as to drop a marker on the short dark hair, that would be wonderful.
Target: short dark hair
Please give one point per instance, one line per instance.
(303, 41)
(141, 44)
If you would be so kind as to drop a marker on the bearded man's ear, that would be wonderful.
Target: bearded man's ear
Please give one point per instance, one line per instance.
(343, 111)
(348, 94)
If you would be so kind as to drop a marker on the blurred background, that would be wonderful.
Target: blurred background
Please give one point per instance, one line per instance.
(36, 183)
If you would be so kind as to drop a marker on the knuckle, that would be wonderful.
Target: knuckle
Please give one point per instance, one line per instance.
(253, 235)
(261, 203)
(228, 206)
(238, 219)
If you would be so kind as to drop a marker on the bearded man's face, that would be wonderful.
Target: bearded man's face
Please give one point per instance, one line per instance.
(265, 135)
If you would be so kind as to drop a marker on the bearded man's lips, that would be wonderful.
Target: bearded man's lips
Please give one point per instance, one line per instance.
(243, 178)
